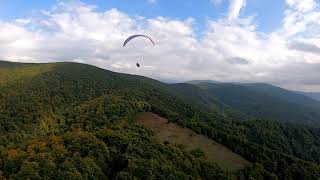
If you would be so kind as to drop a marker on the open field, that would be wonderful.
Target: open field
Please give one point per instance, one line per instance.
(173, 133)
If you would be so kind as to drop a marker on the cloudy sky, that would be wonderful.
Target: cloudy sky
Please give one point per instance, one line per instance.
(274, 41)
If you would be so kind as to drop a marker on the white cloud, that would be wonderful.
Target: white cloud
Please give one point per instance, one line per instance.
(227, 52)
(302, 19)
(302, 5)
(235, 8)
(152, 1)
(216, 2)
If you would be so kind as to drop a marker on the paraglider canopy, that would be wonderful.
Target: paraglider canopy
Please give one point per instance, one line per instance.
(135, 36)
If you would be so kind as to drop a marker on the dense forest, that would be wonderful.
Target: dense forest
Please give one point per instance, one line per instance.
(76, 121)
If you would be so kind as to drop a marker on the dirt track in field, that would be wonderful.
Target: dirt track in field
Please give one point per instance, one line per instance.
(173, 133)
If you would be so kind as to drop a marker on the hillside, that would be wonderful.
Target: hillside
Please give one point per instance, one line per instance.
(313, 95)
(281, 93)
(76, 121)
(266, 101)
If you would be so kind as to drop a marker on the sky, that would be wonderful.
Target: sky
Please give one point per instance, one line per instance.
(274, 41)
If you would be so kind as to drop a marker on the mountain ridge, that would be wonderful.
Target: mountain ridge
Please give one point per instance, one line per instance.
(266, 101)
(313, 95)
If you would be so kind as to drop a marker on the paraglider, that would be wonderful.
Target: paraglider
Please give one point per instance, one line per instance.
(135, 36)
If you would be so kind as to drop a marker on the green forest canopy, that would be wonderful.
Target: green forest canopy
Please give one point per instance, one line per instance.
(75, 121)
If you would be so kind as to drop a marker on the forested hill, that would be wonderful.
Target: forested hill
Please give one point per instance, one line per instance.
(76, 121)
(313, 95)
(265, 101)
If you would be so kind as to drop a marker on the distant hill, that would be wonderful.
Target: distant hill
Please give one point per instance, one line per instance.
(203, 99)
(266, 101)
(281, 93)
(313, 95)
(195, 82)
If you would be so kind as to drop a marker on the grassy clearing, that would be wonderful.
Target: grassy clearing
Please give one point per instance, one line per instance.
(173, 133)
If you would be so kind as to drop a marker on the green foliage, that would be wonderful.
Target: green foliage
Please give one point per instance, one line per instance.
(197, 153)
(74, 121)
(272, 162)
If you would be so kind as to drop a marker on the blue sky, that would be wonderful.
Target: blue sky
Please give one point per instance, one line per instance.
(272, 41)
(268, 14)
